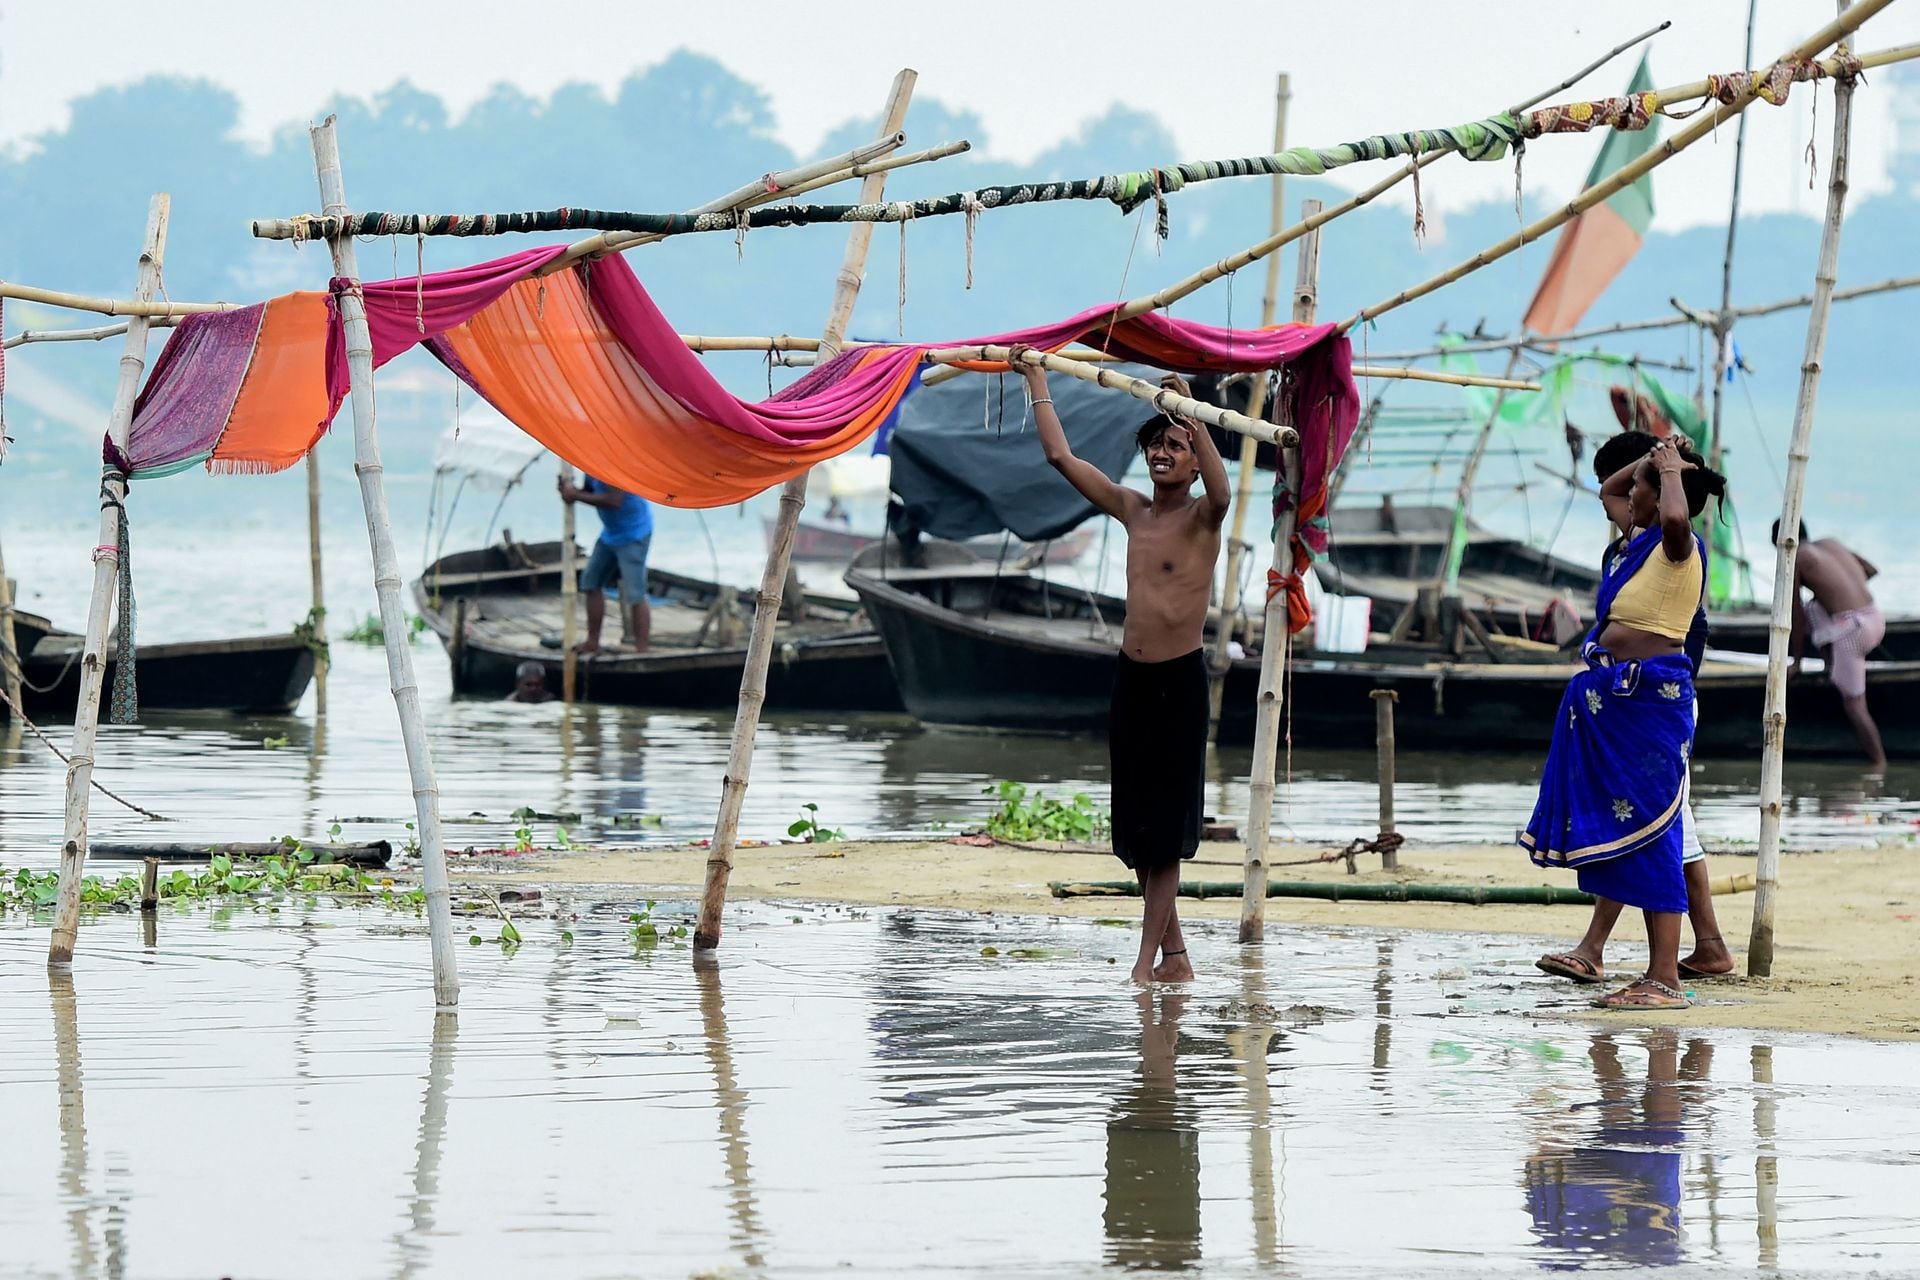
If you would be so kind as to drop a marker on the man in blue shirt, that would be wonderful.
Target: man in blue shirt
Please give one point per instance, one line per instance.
(626, 531)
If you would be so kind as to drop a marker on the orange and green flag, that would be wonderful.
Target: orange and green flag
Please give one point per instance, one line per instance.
(1594, 247)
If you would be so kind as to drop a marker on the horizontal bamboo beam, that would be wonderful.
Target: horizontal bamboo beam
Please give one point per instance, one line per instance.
(1139, 388)
(95, 334)
(109, 306)
(858, 162)
(1840, 295)
(1627, 174)
(1450, 379)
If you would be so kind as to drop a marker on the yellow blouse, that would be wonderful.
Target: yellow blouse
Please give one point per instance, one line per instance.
(1661, 596)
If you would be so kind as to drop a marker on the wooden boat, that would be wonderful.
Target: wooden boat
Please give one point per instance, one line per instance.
(984, 648)
(1387, 553)
(500, 606)
(834, 543)
(260, 674)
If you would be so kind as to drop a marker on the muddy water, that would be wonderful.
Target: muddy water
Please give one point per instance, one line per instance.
(870, 1094)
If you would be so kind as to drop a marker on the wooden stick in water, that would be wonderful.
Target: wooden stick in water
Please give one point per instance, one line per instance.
(387, 580)
(1774, 720)
(753, 677)
(317, 616)
(106, 566)
(1276, 640)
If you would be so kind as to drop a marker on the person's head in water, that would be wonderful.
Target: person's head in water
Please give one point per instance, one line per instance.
(1168, 448)
(530, 683)
(1699, 481)
(1619, 450)
(1803, 533)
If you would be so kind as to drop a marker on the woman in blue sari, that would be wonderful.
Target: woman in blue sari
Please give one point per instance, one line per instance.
(1614, 782)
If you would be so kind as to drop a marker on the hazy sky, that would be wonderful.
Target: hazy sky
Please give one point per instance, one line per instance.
(1031, 72)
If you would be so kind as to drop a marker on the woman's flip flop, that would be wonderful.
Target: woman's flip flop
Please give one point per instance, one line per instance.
(1565, 964)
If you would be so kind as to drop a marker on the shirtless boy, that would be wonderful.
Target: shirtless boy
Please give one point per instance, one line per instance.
(1157, 726)
(1844, 621)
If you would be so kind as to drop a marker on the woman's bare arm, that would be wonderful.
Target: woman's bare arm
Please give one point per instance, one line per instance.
(1676, 522)
(1613, 496)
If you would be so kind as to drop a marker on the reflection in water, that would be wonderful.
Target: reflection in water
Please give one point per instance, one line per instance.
(413, 1241)
(1153, 1154)
(1249, 1043)
(749, 1235)
(73, 1123)
(1766, 1164)
(1383, 1014)
(1617, 1193)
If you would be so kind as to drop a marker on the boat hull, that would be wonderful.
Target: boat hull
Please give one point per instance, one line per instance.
(256, 674)
(959, 663)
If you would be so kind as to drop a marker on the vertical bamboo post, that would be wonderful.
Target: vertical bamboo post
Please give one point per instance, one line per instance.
(318, 616)
(9, 644)
(1774, 722)
(570, 597)
(753, 677)
(1723, 318)
(1383, 700)
(386, 572)
(149, 885)
(1275, 639)
(106, 566)
(1249, 447)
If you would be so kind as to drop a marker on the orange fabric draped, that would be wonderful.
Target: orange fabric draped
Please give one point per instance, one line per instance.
(283, 407)
(551, 365)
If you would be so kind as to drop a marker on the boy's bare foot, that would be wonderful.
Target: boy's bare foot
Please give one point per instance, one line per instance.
(1174, 968)
(1141, 976)
(587, 646)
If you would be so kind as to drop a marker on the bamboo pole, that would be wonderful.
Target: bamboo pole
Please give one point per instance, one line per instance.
(95, 334)
(748, 196)
(386, 575)
(1627, 174)
(106, 566)
(145, 308)
(753, 677)
(1839, 295)
(317, 616)
(1139, 388)
(1774, 722)
(1221, 658)
(1276, 640)
(9, 644)
(1723, 318)
(570, 596)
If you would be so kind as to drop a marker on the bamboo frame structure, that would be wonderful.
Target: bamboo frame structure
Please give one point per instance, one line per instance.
(793, 497)
(1220, 659)
(1774, 720)
(106, 566)
(1276, 641)
(1631, 172)
(387, 580)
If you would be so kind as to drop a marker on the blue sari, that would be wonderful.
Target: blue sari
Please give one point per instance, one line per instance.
(1615, 777)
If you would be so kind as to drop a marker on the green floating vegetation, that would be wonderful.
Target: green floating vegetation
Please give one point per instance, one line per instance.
(264, 881)
(1025, 815)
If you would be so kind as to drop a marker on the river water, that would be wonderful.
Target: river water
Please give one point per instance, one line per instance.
(870, 1093)
(227, 555)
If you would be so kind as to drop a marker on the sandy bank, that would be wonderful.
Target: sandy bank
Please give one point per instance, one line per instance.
(1848, 928)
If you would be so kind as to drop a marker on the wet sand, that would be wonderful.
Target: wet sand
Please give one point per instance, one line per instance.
(1848, 928)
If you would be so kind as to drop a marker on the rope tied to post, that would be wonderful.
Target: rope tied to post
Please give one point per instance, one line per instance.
(124, 707)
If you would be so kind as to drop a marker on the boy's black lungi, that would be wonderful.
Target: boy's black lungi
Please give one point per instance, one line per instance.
(1157, 748)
